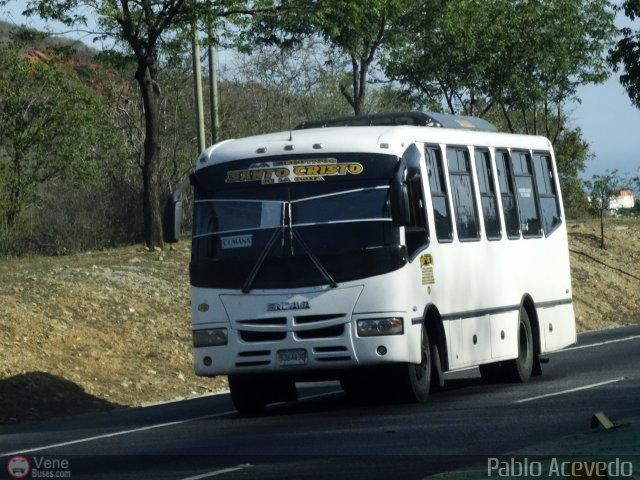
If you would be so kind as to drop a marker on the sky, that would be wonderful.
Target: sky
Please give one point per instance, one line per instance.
(610, 124)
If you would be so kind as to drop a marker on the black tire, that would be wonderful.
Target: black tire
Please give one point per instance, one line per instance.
(247, 394)
(437, 375)
(519, 369)
(415, 379)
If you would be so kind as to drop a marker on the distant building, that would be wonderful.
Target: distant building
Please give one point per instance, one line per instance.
(624, 199)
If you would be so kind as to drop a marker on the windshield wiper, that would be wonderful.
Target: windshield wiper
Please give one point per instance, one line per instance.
(286, 214)
(263, 256)
(323, 271)
(265, 252)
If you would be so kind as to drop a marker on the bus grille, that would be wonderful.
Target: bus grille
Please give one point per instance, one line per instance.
(330, 329)
(303, 327)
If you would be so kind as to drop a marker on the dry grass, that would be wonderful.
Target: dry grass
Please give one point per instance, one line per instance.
(606, 283)
(114, 323)
(103, 329)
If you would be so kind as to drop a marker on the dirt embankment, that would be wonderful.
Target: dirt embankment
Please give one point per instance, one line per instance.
(106, 329)
(94, 331)
(606, 282)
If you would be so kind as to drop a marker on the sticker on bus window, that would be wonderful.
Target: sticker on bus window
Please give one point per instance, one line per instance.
(426, 265)
(237, 241)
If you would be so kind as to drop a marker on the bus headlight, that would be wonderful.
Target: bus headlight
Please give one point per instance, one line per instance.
(373, 327)
(210, 338)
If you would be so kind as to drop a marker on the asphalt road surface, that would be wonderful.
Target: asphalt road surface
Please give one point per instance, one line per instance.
(327, 435)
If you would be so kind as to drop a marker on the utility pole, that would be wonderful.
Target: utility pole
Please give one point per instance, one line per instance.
(213, 82)
(197, 84)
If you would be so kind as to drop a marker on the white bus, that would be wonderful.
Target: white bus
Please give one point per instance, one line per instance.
(380, 251)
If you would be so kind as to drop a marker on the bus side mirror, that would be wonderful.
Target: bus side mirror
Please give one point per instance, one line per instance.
(172, 220)
(172, 214)
(399, 198)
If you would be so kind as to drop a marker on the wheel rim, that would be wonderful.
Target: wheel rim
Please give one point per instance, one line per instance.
(421, 369)
(523, 350)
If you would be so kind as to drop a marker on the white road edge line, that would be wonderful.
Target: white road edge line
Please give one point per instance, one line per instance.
(117, 434)
(135, 430)
(577, 389)
(215, 473)
(607, 342)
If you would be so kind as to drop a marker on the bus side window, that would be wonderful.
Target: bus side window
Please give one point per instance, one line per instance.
(488, 196)
(527, 193)
(464, 200)
(509, 207)
(547, 191)
(416, 234)
(438, 187)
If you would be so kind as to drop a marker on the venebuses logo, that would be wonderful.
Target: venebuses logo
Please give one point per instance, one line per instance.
(18, 467)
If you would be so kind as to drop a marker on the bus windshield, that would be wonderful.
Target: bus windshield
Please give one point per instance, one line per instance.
(288, 239)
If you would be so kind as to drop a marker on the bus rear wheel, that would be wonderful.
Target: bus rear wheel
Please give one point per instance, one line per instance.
(519, 369)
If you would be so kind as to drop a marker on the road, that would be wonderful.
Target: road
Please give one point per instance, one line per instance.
(326, 435)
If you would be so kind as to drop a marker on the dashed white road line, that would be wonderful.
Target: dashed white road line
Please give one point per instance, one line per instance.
(571, 390)
(215, 473)
(222, 414)
(599, 344)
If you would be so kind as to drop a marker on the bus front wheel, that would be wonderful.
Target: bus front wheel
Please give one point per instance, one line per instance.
(415, 379)
(247, 394)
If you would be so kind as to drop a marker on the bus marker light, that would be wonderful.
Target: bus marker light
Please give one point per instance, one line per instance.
(381, 350)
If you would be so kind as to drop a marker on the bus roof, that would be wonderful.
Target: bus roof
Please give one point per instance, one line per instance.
(374, 139)
(416, 118)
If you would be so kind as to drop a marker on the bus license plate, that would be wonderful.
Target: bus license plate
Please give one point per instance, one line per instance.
(292, 357)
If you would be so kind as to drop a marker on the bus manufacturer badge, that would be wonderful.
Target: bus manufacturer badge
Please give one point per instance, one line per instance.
(293, 305)
(426, 265)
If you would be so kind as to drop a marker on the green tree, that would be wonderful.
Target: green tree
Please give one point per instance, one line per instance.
(572, 153)
(359, 29)
(280, 88)
(602, 188)
(625, 55)
(49, 128)
(517, 64)
(523, 59)
(142, 27)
